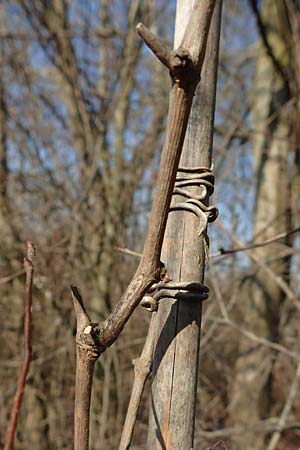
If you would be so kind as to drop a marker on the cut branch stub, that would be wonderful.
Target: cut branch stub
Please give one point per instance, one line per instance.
(88, 333)
(172, 59)
(161, 50)
(88, 349)
(179, 61)
(185, 63)
(82, 317)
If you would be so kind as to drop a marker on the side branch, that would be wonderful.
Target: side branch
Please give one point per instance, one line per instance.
(155, 44)
(173, 60)
(142, 368)
(16, 407)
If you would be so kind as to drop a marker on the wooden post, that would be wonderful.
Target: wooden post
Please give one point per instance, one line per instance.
(175, 365)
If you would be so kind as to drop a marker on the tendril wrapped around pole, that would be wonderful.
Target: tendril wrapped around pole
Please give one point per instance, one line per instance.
(202, 178)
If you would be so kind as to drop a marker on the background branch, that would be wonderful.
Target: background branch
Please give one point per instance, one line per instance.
(16, 407)
(285, 411)
(243, 248)
(264, 36)
(142, 368)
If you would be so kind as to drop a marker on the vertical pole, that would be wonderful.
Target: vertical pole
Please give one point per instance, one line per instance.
(176, 358)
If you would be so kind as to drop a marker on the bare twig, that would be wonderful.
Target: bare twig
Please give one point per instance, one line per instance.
(263, 426)
(142, 368)
(184, 83)
(260, 263)
(243, 248)
(127, 251)
(16, 407)
(11, 277)
(286, 410)
(259, 340)
(162, 51)
(227, 251)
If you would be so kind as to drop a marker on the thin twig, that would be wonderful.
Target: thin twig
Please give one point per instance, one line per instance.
(259, 340)
(11, 277)
(159, 48)
(16, 407)
(142, 368)
(286, 410)
(229, 251)
(260, 263)
(264, 426)
(127, 251)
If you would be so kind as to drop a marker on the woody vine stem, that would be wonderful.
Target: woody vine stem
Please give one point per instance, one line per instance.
(92, 339)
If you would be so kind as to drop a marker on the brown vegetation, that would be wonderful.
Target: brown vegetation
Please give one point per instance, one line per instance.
(82, 113)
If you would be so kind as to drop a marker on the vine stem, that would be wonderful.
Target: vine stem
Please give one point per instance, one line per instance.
(185, 65)
(16, 406)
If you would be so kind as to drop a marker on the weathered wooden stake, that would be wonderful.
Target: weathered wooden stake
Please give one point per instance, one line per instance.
(175, 366)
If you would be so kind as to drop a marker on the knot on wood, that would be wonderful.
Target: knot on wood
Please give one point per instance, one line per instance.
(89, 340)
(183, 71)
(197, 203)
(182, 290)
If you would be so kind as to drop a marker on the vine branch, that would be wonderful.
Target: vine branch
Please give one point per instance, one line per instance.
(93, 339)
(16, 406)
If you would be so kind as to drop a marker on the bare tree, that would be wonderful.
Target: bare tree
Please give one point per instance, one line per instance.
(83, 108)
(251, 397)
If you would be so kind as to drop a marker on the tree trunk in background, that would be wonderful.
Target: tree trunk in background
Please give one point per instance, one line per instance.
(176, 358)
(5, 225)
(250, 392)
